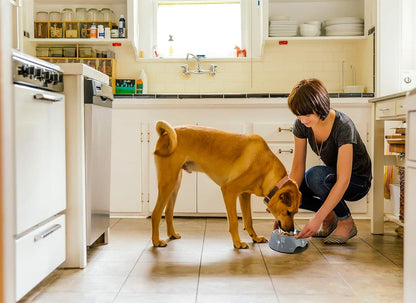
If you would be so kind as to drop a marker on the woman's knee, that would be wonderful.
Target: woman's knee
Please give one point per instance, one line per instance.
(317, 177)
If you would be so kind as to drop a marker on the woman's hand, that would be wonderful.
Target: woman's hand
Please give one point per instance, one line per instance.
(310, 228)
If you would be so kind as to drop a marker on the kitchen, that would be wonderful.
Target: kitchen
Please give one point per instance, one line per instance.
(250, 89)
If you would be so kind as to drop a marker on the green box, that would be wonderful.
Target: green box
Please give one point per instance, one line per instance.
(125, 86)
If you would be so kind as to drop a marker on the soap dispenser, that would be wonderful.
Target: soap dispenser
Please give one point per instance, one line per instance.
(170, 43)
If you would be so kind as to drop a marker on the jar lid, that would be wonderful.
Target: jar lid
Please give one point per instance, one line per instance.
(92, 9)
(114, 27)
(67, 9)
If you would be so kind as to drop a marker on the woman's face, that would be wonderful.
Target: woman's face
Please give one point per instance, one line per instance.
(309, 120)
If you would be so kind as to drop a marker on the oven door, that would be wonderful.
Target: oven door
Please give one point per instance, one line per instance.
(40, 155)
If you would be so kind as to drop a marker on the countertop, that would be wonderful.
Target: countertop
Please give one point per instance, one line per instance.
(389, 97)
(222, 100)
(85, 70)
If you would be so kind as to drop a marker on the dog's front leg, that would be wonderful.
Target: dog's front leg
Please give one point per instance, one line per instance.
(247, 218)
(230, 200)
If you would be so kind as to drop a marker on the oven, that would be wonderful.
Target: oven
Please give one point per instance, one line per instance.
(40, 193)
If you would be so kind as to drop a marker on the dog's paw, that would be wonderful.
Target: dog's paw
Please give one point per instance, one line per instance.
(175, 236)
(160, 243)
(260, 239)
(241, 245)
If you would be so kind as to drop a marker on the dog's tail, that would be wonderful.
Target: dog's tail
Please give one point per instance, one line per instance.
(168, 139)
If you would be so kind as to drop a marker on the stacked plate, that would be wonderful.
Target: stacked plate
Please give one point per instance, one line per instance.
(344, 26)
(283, 28)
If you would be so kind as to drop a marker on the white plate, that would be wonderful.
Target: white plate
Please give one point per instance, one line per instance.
(340, 33)
(277, 22)
(345, 27)
(282, 35)
(344, 20)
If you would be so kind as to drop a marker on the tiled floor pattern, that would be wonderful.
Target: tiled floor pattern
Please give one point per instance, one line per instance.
(204, 267)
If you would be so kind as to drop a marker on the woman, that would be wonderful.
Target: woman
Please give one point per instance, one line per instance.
(346, 174)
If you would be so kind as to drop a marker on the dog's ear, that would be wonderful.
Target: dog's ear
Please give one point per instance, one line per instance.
(286, 198)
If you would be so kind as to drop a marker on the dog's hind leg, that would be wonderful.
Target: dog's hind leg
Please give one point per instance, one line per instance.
(169, 209)
(230, 199)
(166, 186)
(245, 199)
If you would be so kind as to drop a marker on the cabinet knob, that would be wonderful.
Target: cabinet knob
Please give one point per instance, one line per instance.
(290, 151)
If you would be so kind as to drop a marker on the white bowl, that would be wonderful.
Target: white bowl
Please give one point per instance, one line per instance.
(309, 30)
(350, 89)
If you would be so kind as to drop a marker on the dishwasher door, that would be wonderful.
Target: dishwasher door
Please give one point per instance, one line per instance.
(98, 170)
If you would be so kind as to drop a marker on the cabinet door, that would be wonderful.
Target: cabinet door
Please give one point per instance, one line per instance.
(126, 162)
(186, 199)
(209, 194)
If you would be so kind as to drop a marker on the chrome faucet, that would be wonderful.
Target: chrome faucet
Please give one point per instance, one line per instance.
(186, 70)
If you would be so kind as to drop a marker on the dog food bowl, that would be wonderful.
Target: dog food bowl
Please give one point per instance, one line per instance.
(285, 242)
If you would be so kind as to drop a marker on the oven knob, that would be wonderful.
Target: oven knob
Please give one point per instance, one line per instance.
(23, 70)
(46, 75)
(55, 78)
(38, 72)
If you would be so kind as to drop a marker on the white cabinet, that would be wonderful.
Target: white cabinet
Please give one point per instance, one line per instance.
(134, 181)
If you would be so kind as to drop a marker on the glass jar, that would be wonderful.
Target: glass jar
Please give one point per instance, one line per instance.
(81, 13)
(99, 15)
(54, 16)
(107, 14)
(42, 16)
(92, 14)
(67, 14)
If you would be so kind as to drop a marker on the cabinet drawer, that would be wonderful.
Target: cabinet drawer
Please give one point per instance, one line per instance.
(399, 107)
(38, 253)
(274, 131)
(385, 109)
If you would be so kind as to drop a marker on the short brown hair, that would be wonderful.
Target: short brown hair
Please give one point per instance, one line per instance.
(309, 96)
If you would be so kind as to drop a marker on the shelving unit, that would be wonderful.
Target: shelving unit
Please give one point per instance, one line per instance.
(104, 65)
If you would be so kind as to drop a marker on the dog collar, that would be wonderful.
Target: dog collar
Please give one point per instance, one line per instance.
(275, 189)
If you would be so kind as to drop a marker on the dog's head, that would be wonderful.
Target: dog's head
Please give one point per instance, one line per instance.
(285, 204)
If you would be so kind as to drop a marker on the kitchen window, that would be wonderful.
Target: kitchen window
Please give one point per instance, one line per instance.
(211, 28)
(202, 27)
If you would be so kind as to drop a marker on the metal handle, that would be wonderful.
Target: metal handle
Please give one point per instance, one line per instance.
(48, 232)
(280, 129)
(47, 97)
(384, 109)
(105, 99)
(290, 151)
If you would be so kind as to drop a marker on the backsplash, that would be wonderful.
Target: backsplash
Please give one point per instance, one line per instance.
(280, 68)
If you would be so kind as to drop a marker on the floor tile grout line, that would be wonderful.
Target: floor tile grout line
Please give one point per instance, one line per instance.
(380, 252)
(134, 265)
(200, 260)
(268, 274)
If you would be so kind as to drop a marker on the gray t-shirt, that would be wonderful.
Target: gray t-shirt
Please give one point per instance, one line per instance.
(343, 132)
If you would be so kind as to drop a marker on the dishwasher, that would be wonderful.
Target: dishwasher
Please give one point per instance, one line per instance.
(98, 99)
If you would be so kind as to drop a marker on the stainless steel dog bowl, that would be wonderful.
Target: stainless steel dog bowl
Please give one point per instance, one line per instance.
(281, 242)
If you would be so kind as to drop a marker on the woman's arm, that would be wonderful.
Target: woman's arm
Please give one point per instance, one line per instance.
(344, 170)
(297, 171)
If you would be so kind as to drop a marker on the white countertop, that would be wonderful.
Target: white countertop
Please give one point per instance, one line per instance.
(85, 70)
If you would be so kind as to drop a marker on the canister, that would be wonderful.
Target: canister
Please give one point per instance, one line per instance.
(67, 14)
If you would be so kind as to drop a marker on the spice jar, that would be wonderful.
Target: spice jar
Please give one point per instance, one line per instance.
(67, 14)
(42, 16)
(81, 14)
(92, 14)
(54, 16)
(93, 31)
(107, 14)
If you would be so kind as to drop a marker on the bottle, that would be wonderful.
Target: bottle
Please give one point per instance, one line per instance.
(100, 32)
(141, 83)
(107, 33)
(114, 31)
(93, 31)
(170, 42)
(122, 27)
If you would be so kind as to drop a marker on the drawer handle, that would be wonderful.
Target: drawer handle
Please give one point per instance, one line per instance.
(280, 129)
(384, 109)
(290, 150)
(48, 232)
(47, 97)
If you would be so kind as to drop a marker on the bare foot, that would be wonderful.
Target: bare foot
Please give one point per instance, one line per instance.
(344, 227)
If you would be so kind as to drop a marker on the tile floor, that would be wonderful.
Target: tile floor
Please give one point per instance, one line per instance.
(204, 267)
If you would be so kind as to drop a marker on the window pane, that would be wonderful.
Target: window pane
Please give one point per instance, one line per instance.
(211, 29)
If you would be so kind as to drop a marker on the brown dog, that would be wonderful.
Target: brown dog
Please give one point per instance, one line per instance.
(240, 164)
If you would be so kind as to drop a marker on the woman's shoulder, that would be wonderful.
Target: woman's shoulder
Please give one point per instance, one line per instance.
(342, 118)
